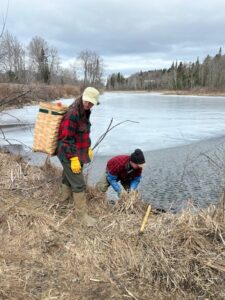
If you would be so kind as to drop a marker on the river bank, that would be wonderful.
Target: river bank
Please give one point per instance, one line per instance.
(192, 92)
(176, 176)
(196, 92)
(46, 254)
(172, 178)
(18, 95)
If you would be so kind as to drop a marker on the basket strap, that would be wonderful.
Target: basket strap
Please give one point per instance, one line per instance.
(51, 112)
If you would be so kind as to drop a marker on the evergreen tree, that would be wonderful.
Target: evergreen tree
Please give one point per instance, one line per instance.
(44, 72)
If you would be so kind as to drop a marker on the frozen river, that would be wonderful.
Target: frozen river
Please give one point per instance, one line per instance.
(182, 137)
(162, 121)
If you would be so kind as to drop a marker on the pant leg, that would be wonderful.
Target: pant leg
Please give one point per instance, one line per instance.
(103, 184)
(76, 181)
(64, 179)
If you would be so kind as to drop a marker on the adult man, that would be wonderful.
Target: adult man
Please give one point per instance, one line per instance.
(123, 173)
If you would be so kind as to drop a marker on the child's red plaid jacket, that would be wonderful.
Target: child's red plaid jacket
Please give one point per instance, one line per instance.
(119, 166)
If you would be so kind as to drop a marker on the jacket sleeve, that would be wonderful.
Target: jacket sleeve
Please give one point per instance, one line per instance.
(135, 182)
(68, 137)
(112, 179)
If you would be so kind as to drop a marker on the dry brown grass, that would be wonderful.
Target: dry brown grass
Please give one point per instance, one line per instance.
(34, 93)
(196, 91)
(46, 254)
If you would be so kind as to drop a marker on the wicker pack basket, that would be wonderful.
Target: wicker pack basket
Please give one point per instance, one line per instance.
(47, 127)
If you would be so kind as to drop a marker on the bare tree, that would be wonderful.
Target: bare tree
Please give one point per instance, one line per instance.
(38, 64)
(92, 65)
(2, 28)
(43, 60)
(67, 76)
(12, 58)
(54, 64)
(4, 18)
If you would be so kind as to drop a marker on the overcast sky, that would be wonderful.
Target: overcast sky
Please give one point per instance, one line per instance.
(129, 35)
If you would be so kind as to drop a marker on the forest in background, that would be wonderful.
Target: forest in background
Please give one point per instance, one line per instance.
(210, 75)
(39, 62)
(35, 72)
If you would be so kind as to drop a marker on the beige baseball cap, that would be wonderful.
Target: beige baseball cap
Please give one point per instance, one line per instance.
(91, 94)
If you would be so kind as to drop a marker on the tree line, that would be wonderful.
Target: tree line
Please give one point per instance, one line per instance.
(209, 74)
(39, 62)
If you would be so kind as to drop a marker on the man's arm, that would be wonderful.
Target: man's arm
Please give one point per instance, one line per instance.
(112, 179)
(135, 182)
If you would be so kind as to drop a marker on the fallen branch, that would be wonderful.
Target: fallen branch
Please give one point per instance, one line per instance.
(8, 140)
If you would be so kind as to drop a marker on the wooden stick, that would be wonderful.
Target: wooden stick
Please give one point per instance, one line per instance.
(145, 219)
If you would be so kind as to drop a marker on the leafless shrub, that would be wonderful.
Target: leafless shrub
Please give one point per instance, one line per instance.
(19, 94)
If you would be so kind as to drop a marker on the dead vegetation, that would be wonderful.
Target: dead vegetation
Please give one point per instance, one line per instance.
(46, 254)
(17, 95)
(197, 92)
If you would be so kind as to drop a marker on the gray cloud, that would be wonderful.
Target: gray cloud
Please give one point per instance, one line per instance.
(148, 34)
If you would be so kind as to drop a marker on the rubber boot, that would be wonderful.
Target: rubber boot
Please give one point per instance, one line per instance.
(81, 210)
(66, 192)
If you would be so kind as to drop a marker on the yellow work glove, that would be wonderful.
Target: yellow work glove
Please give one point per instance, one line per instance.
(75, 165)
(90, 153)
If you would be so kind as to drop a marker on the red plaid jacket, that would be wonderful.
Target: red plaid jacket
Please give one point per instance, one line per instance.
(74, 137)
(119, 166)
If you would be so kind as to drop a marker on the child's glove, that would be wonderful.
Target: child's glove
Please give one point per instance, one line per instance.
(90, 153)
(122, 194)
(75, 165)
